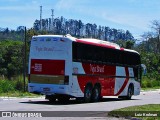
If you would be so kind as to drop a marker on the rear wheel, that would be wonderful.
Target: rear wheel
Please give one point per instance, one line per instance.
(63, 99)
(51, 98)
(96, 94)
(87, 93)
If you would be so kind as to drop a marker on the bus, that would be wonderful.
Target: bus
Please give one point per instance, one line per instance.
(63, 67)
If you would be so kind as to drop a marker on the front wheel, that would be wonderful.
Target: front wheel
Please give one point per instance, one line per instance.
(130, 93)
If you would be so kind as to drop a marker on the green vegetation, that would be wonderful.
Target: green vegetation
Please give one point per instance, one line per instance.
(14, 88)
(11, 58)
(12, 85)
(152, 62)
(145, 112)
(148, 82)
(18, 94)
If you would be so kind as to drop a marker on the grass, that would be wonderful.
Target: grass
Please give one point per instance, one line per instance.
(145, 112)
(19, 94)
(153, 88)
(14, 88)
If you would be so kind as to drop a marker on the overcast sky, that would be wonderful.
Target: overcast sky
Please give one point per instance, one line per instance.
(132, 15)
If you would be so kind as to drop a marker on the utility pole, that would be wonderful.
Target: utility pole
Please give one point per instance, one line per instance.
(52, 25)
(40, 17)
(24, 60)
(158, 40)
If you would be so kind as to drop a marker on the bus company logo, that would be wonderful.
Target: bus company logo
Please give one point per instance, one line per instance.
(48, 49)
(97, 68)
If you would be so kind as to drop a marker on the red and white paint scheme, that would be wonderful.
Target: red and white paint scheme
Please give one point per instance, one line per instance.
(57, 72)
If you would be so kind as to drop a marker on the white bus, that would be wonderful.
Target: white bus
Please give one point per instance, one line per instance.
(64, 67)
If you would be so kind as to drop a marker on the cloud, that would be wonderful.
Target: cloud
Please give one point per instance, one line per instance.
(17, 5)
(63, 4)
(72, 4)
(124, 19)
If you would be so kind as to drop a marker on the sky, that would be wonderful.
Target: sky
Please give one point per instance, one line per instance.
(133, 15)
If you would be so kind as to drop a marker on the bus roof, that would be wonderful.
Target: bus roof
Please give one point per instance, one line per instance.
(129, 50)
(59, 36)
(103, 43)
(90, 41)
(97, 42)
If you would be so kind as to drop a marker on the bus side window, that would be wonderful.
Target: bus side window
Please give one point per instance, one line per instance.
(135, 72)
(121, 58)
(84, 52)
(102, 55)
(94, 54)
(74, 51)
(89, 53)
(79, 52)
(139, 72)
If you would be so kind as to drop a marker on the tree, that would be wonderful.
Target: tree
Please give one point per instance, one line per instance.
(153, 38)
(156, 27)
(11, 58)
(128, 35)
(129, 44)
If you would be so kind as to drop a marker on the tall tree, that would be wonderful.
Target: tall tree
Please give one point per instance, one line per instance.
(156, 27)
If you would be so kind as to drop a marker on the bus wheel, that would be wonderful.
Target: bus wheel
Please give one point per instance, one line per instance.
(96, 94)
(63, 99)
(51, 98)
(87, 93)
(130, 93)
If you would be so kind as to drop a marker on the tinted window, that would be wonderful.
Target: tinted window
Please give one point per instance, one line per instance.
(91, 53)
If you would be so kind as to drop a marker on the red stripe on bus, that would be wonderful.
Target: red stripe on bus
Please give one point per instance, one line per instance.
(122, 49)
(47, 67)
(96, 44)
(125, 82)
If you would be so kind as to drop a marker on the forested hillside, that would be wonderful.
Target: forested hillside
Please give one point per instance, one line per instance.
(79, 29)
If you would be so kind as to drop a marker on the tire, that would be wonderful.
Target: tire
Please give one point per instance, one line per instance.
(51, 98)
(122, 97)
(88, 93)
(130, 93)
(96, 94)
(80, 99)
(63, 99)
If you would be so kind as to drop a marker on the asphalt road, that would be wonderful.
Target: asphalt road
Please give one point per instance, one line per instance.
(107, 104)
